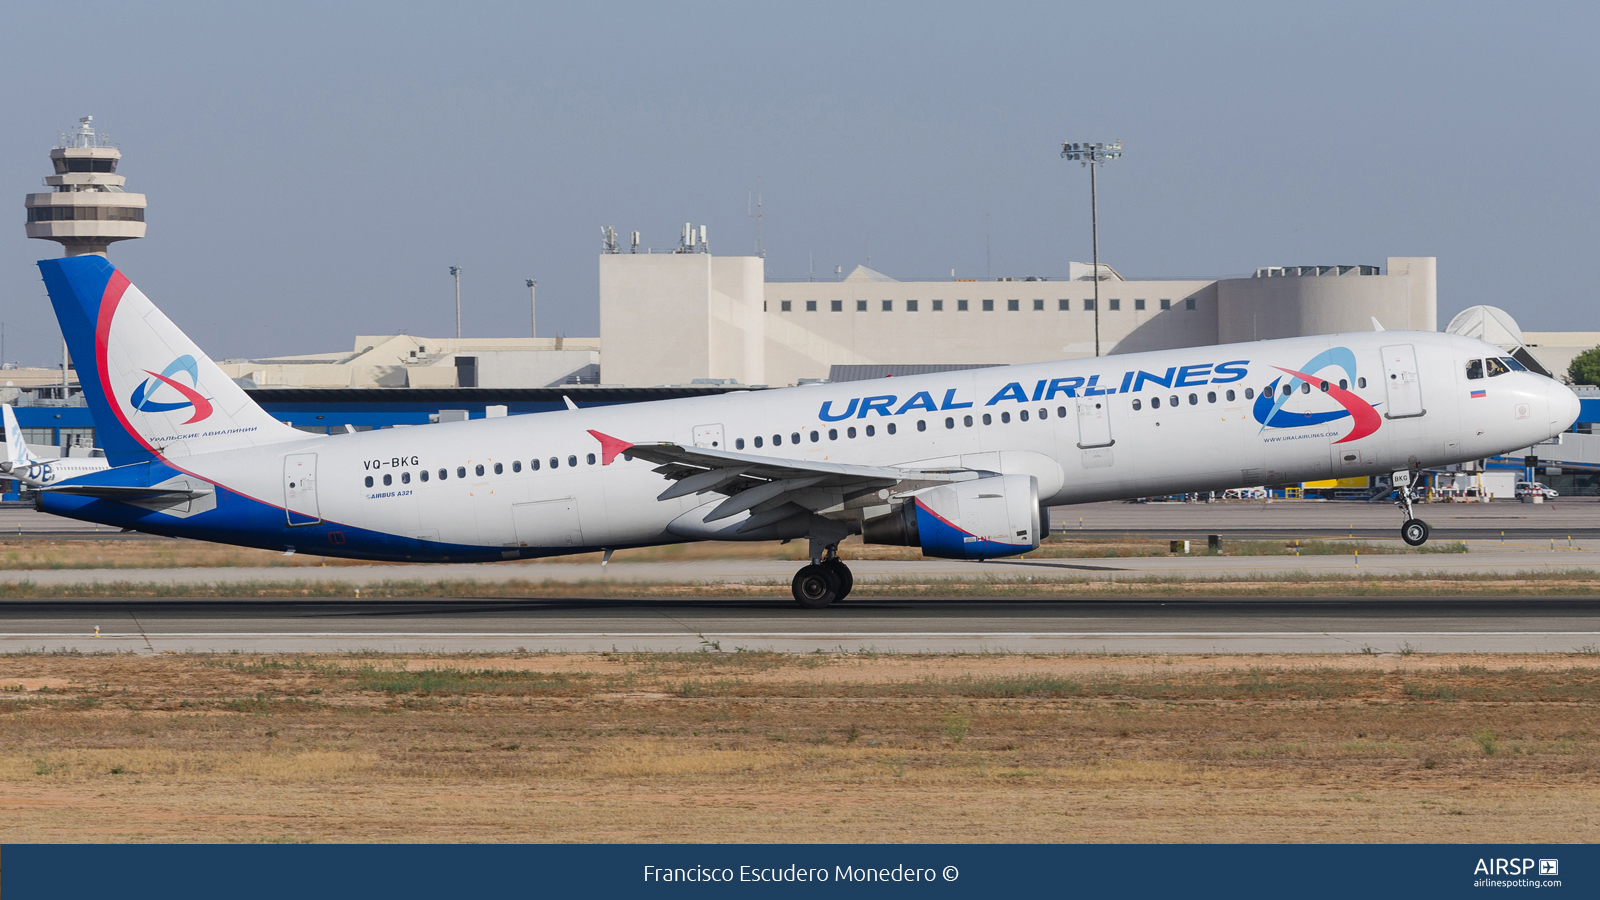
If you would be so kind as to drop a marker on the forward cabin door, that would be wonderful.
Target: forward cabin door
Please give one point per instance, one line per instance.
(1403, 387)
(709, 436)
(300, 489)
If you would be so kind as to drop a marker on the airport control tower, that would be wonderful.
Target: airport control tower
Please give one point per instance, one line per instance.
(86, 208)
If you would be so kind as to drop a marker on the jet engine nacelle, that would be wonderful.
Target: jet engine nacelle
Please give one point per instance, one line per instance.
(979, 519)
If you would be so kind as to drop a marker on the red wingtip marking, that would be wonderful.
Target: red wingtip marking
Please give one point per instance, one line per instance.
(610, 446)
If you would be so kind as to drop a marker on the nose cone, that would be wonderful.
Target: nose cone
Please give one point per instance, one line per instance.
(1564, 407)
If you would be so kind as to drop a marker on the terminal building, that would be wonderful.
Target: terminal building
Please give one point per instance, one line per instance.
(686, 316)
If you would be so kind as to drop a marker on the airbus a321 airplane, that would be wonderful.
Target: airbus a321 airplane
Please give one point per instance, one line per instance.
(958, 464)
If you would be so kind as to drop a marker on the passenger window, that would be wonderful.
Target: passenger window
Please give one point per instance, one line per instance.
(1344, 385)
(444, 474)
(572, 460)
(758, 443)
(795, 437)
(1044, 413)
(871, 430)
(1155, 402)
(499, 469)
(1474, 369)
(461, 471)
(1361, 382)
(1496, 367)
(555, 463)
(533, 465)
(1022, 415)
(738, 444)
(777, 440)
(1061, 411)
(1288, 389)
(388, 480)
(833, 434)
(405, 477)
(516, 465)
(815, 437)
(850, 432)
(1211, 396)
(1249, 393)
(1136, 406)
(1305, 387)
(589, 459)
(369, 481)
(1231, 396)
(424, 474)
(1193, 400)
(922, 425)
(987, 420)
(892, 428)
(949, 422)
(1005, 418)
(478, 470)
(1173, 401)
(967, 421)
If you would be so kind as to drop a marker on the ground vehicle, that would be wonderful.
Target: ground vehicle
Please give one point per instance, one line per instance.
(1531, 488)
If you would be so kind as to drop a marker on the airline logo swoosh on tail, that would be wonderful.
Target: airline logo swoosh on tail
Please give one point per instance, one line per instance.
(142, 397)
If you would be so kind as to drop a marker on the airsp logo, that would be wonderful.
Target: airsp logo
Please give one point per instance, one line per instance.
(1549, 867)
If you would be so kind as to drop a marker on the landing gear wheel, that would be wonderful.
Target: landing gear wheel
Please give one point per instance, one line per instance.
(1414, 532)
(841, 574)
(815, 587)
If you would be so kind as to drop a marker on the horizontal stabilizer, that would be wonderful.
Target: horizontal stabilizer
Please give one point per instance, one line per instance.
(121, 492)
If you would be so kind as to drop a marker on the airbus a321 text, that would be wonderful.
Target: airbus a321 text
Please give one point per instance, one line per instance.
(959, 464)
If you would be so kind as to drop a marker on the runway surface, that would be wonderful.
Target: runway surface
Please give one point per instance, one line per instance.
(1039, 625)
(1484, 558)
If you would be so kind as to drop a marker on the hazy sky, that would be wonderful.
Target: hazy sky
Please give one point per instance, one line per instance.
(314, 169)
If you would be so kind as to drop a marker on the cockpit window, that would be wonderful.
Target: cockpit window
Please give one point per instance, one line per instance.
(1512, 362)
(1496, 367)
(1474, 368)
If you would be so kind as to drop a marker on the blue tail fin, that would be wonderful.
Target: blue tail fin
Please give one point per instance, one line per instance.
(152, 392)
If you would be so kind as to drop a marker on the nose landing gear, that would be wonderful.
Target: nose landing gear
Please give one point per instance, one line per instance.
(1413, 531)
(824, 582)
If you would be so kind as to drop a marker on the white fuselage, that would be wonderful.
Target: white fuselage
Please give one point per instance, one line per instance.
(538, 480)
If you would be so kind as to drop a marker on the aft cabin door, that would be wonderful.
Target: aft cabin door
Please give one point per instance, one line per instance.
(1094, 422)
(1400, 381)
(300, 489)
(709, 436)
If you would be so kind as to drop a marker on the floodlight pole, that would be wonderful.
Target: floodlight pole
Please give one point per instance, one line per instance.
(455, 272)
(533, 309)
(1092, 155)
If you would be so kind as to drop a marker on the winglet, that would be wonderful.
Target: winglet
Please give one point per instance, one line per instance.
(1376, 325)
(610, 446)
(571, 405)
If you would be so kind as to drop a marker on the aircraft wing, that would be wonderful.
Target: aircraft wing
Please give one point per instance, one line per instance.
(771, 488)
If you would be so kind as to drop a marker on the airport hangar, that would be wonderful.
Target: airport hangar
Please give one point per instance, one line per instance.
(687, 323)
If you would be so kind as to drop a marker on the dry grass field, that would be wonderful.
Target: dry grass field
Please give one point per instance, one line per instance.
(829, 748)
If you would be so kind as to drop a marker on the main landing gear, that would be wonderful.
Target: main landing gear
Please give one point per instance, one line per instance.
(824, 582)
(1413, 531)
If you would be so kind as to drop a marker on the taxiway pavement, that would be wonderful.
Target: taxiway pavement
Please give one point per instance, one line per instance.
(1031, 625)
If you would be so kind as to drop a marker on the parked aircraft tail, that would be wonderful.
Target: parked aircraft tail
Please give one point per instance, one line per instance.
(18, 456)
(152, 392)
